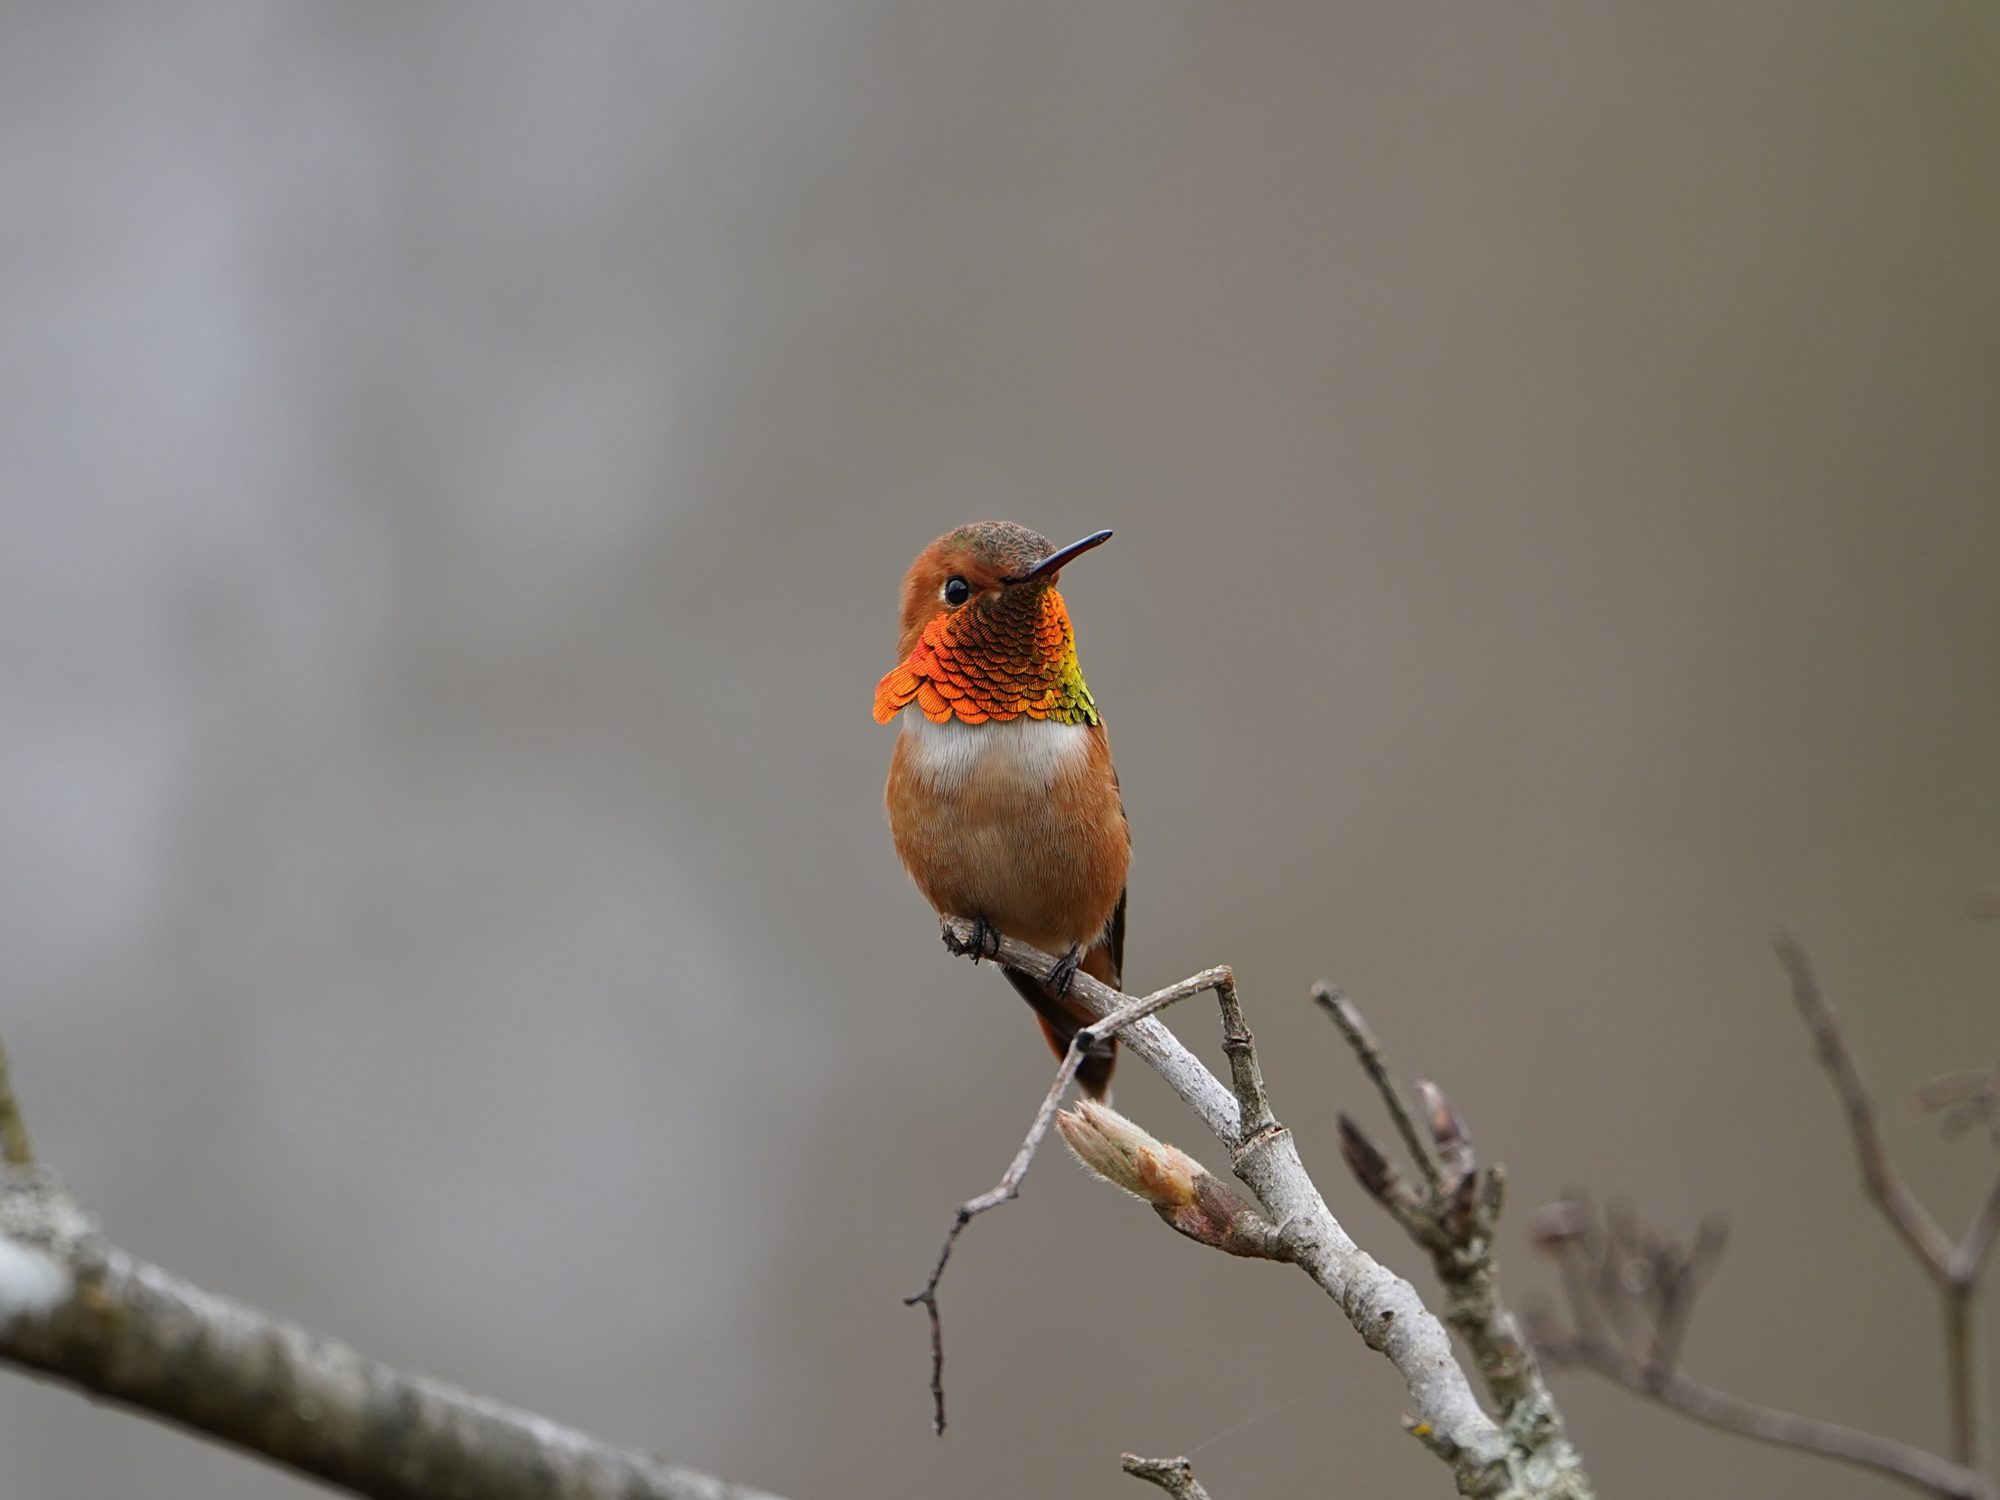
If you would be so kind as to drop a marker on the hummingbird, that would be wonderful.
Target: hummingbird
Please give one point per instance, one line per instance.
(1002, 799)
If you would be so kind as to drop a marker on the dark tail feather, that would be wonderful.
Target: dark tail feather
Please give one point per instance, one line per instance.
(1059, 1024)
(1094, 1072)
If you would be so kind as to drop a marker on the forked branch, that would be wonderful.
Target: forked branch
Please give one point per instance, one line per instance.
(1453, 1217)
(1486, 1460)
(1954, 1266)
(1923, 1234)
(1631, 1292)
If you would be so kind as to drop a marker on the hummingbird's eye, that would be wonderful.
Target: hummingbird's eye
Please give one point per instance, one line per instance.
(956, 591)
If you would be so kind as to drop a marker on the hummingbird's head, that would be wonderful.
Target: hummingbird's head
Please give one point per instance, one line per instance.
(984, 632)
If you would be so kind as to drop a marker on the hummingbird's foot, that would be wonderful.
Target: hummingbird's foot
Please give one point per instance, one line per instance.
(1063, 975)
(985, 941)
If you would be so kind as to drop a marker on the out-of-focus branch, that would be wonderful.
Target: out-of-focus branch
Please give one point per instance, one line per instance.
(1922, 1233)
(1452, 1218)
(1954, 1265)
(1631, 1292)
(87, 1314)
(1174, 1475)
(1381, 1306)
(1976, 1244)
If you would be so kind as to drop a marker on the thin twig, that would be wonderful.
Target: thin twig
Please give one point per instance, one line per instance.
(1680, 1284)
(1969, 1259)
(1922, 1233)
(1953, 1266)
(1009, 1185)
(1147, 1040)
(1174, 1475)
(1246, 1074)
(1961, 1365)
(1369, 1053)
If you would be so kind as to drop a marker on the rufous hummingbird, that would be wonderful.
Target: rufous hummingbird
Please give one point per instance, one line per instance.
(1002, 797)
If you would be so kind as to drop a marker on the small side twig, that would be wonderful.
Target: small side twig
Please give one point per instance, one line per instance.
(1368, 1052)
(1453, 1219)
(1009, 1185)
(1174, 1475)
(1954, 1266)
(1246, 1074)
(1910, 1219)
(1678, 1280)
(1976, 1244)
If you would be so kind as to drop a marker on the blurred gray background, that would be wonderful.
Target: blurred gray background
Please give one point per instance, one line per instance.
(459, 463)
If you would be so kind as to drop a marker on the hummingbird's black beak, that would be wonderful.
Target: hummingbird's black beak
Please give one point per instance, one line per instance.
(1054, 561)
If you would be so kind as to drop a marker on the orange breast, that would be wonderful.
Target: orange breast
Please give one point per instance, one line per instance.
(1017, 822)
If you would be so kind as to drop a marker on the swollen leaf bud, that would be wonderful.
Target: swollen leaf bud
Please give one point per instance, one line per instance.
(1448, 1130)
(1121, 1153)
(1366, 1161)
(1180, 1189)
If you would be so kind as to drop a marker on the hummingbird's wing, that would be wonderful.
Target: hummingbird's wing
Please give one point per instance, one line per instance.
(1114, 945)
(1114, 940)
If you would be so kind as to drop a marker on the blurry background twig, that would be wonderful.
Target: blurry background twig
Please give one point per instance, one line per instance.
(1630, 1290)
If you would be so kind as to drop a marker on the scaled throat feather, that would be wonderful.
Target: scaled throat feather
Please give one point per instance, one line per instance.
(1011, 657)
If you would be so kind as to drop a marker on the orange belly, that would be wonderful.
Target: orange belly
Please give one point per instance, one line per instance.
(1018, 822)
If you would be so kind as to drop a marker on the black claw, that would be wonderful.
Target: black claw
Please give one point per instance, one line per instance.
(984, 943)
(1063, 975)
(985, 940)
